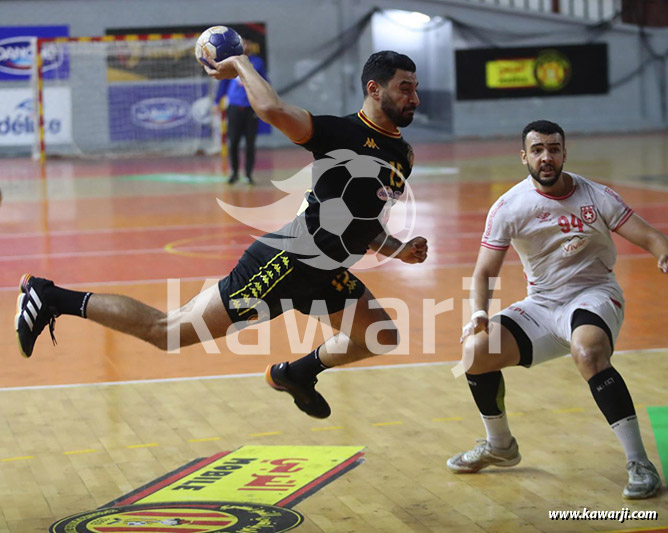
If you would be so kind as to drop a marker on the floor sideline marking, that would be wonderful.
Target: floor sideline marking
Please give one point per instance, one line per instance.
(261, 374)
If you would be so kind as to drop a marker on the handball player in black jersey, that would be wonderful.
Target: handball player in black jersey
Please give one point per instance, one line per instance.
(272, 268)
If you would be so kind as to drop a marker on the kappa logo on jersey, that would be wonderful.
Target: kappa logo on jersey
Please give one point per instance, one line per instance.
(574, 245)
(588, 214)
(370, 143)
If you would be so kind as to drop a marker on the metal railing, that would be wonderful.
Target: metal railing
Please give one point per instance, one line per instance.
(594, 10)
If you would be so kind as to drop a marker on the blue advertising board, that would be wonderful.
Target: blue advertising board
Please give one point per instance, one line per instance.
(153, 111)
(16, 55)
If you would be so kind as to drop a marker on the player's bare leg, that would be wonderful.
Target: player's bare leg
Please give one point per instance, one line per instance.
(40, 302)
(354, 342)
(480, 358)
(135, 318)
(298, 378)
(592, 351)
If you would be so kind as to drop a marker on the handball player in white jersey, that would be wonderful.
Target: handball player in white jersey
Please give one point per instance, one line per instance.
(560, 224)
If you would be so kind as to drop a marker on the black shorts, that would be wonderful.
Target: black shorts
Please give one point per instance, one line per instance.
(270, 275)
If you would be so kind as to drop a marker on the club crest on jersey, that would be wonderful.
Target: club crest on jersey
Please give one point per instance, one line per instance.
(588, 214)
(543, 216)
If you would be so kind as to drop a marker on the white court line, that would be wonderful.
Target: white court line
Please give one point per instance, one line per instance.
(261, 374)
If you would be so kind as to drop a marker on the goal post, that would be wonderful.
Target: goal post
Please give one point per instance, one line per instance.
(122, 96)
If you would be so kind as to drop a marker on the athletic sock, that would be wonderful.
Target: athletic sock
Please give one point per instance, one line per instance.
(488, 392)
(614, 400)
(628, 433)
(307, 368)
(498, 431)
(68, 302)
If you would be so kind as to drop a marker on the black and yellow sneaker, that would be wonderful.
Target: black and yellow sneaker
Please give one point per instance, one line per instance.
(306, 397)
(33, 313)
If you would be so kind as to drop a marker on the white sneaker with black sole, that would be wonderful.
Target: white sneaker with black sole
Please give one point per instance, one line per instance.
(644, 480)
(484, 455)
(33, 313)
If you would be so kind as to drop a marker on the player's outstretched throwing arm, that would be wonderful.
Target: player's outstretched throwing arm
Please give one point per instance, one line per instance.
(292, 120)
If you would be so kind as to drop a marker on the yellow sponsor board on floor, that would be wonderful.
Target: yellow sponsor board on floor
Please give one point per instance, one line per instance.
(269, 475)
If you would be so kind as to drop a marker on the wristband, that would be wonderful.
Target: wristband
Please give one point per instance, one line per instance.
(479, 314)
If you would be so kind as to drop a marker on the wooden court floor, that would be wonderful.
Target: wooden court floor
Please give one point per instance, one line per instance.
(101, 414)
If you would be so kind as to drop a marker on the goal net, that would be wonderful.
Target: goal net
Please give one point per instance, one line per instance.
(120, 96)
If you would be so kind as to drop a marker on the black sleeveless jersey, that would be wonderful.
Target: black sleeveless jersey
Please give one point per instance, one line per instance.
(364, 191)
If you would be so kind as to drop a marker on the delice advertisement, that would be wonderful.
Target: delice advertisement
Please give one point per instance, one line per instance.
(127, 65)
(152, 95)
(17, 123)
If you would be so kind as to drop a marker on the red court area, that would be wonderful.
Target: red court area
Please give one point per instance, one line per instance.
(128, 226)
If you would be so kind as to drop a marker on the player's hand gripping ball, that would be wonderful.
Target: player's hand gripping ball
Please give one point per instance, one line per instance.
(220, 42)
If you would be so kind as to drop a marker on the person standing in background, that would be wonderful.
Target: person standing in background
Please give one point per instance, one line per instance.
(241, 119)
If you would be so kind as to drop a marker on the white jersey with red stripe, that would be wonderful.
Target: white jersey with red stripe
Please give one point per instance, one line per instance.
(565, 242)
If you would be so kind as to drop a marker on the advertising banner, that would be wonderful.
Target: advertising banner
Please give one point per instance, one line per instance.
(249, 490)
(16, 55)
(490, 73)
(159, 111)
(17, 122)
(129, 63)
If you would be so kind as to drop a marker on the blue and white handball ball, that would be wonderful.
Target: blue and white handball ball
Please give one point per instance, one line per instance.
(220, 41)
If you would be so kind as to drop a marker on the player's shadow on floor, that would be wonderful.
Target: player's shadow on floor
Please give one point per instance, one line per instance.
(521, 470)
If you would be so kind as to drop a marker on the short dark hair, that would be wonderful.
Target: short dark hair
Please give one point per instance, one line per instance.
(381, 67)
(545, 127)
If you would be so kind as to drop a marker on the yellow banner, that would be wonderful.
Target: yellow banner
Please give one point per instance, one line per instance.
(257, 474)
(510, 73)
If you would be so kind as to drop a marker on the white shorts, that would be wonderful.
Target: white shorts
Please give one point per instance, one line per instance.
(548, 323)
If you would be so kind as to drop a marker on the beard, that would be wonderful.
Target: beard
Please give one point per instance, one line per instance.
(546, 182)
(400, 117)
